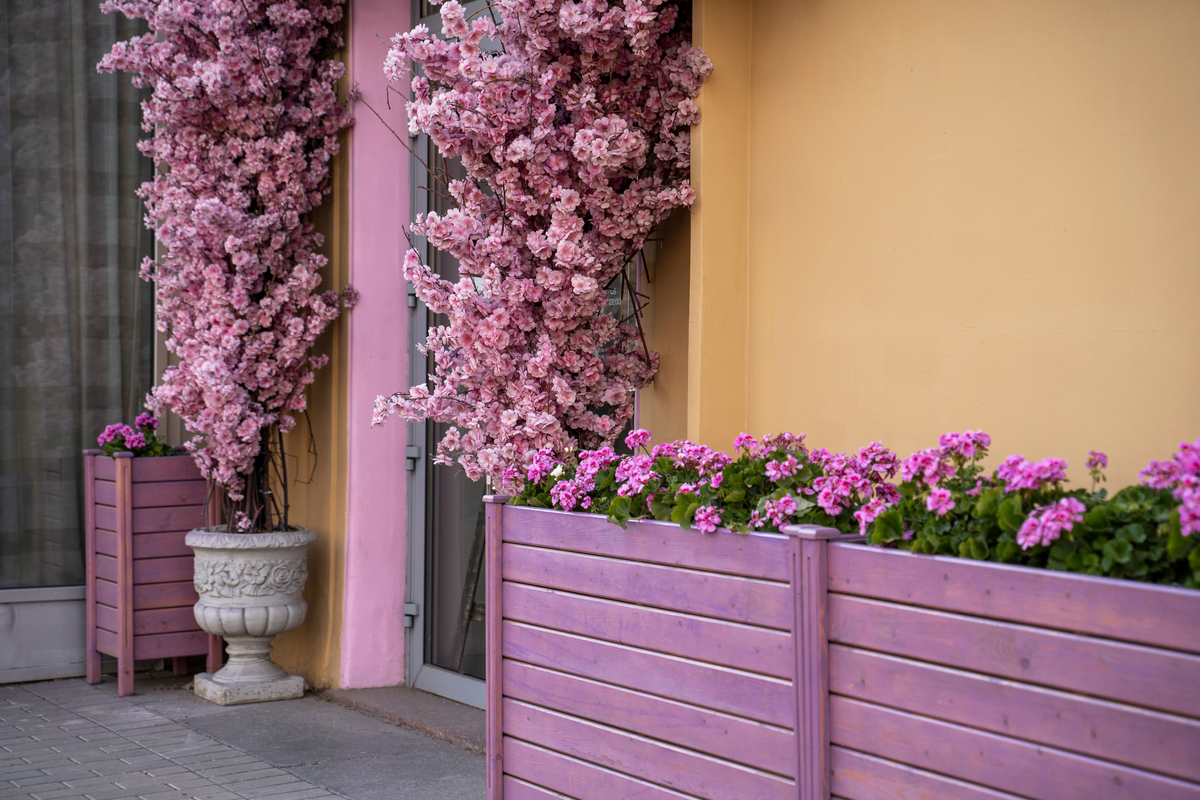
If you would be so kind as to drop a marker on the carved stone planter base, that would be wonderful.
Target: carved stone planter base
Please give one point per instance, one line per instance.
(289, 687)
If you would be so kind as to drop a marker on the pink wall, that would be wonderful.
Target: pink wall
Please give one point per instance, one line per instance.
(372, 652)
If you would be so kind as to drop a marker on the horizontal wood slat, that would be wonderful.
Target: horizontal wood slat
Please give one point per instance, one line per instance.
(1142, 676)
(162, 570)
(722, 596)
(164, 620)
(106, 593)
(577, 779)
(704, 639)
(1124, 734)
(1163, 616)
(170, 645)
(857, 776)
(517, 789)
(755, 556)
(720, 688)
(158, 493)
(154, 520)
(165, 468)
(1000, 762)
(106, 568)
(164, 595)
(107, 642)
(752, 743)
(146, 545)
(688, 771)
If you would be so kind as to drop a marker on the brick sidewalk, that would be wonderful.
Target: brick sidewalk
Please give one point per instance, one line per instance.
(69, 740)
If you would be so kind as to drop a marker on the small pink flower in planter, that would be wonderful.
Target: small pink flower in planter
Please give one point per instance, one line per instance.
(707, 519)
(939, 501)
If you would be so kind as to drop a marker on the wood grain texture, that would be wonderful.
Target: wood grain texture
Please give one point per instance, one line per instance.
(1142, 613)
(754, 744)
(155, 595)
(168, 645)
(1141, 676)
(161, 620)
(124, 574)
(758, 602)
(517, 789)
(857, 776)
(998, 762)
(809, 556)
(154, 520)
(157, 493)
(578, 779)
(106, 468)
(684, 770)
(755, 556)
(732, 644)
(743, 694)
(494, 511)
(1115, 732)
(162, 570)
(91, 654)
(146, 545)
(165, 468)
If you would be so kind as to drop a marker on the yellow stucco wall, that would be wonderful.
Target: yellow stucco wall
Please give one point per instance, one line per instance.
(663, 405)
(317, 469)
(956, 215)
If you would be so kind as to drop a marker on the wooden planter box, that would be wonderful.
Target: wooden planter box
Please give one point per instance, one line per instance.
(139, 571)
(663, 664)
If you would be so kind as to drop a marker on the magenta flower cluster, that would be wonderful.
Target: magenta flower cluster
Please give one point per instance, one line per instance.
(1044, 525)
(244, 119)
(1017, 473)
(859, 481)
(1182, 475)
(572, 122)
(141, 440)
(935, 465)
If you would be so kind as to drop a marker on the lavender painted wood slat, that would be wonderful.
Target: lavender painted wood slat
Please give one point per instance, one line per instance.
(1142, 676)
(857, 776)
(106, 469)
(165, 468)
(1000, 762)
(1161, 616)
(577, 779)
(156, 595)
(162, 570)
(685, 770)
(731, 738)
(146, 545)
(1115, 732)
(517, 789)
(154, 520)
(169, 645)
(755, 556)
(106, 517)
(737, 599)
(157, 493)
(166, 620)
(124, 579)
(755, 697)
(731, 644)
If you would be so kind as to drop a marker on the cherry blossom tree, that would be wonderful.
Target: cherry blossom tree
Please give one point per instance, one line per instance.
(244, 117)
(572, 123)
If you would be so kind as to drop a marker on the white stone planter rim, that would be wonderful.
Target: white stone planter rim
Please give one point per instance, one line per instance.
(223, 540)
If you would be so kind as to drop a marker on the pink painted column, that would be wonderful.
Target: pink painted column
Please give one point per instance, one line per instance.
(372, 651)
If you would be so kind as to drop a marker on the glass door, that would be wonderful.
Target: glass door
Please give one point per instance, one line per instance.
(446, 522)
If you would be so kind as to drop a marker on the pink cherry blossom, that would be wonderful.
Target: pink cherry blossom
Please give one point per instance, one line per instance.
(243, 118)
(571, 120)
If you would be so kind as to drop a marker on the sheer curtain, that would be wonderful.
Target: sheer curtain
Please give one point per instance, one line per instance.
(76, 323)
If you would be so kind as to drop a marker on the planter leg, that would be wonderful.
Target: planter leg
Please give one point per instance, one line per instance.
(216, 653)
(125, 672)
(179, 665)
(93, 665)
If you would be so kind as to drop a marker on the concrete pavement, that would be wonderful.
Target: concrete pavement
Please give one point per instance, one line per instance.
(66, 739)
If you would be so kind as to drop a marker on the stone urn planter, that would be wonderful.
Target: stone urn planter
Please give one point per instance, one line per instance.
(250, 587)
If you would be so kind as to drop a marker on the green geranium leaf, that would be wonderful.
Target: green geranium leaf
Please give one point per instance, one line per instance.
(888, 527)
(988, 503)
(618, 511)
(1118, 550)
(1010, 515)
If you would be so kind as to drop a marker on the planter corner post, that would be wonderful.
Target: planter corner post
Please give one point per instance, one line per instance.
(494, 510)
(809, 552)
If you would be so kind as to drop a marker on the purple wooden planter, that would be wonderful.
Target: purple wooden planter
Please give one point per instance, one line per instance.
(658, 663)
(139, 571)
